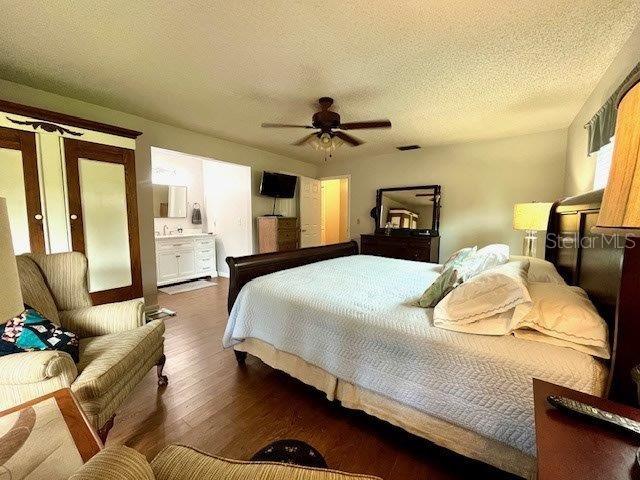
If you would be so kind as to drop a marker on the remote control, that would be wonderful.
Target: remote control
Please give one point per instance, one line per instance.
(566, 404)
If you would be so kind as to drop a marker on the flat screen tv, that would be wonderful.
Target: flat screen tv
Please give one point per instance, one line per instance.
(278, 185)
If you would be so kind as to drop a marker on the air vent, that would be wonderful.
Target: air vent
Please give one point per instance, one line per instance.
(408, 147)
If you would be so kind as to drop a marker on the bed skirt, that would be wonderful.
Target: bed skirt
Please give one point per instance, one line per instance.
(444, 434)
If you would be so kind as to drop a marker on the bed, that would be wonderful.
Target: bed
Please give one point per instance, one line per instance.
(345, 324)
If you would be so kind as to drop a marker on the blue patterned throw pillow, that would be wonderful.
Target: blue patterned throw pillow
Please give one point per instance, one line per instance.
(30, 331)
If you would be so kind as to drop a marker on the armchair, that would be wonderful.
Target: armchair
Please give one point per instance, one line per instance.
(177, 462)
(117, 348)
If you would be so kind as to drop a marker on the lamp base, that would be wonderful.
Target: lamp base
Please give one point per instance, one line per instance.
(530, 243)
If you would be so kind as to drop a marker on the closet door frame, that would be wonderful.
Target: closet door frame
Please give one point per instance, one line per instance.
(25, 142)
(76, 149)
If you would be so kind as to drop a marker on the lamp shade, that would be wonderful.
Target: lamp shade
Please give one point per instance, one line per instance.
(531, 216)
(10, 293)
(620, 209)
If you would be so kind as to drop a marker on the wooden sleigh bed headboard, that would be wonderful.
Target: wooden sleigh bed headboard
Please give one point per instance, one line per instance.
(245, 269)
(608, 269)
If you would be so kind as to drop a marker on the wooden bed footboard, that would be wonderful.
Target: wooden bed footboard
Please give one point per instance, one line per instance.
(245, 269)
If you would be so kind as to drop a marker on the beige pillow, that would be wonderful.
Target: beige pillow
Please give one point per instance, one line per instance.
(494, 291)
(498, 324)
(541, 270)
(563, 315)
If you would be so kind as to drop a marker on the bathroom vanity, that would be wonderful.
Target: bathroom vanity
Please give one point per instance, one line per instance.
(183, 257)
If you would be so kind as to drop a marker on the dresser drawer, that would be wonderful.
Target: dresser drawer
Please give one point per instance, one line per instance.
(204, 251)
(205, 264)
(287, 246)
(287, 224)
(205, 242)
(174, 244)
(419, 249)
(286, 236)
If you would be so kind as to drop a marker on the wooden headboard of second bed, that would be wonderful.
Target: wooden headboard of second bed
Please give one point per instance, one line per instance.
(608, 269)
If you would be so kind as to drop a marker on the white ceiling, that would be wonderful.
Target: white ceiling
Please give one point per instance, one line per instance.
(442, 71)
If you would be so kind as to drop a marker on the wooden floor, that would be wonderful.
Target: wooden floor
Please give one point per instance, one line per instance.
(216, 406)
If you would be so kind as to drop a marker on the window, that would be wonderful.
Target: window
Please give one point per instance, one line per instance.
(603, 165)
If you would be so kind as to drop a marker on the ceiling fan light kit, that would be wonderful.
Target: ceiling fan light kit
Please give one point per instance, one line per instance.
(330, 130)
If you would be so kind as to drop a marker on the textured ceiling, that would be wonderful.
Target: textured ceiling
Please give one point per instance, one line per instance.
(442, 71)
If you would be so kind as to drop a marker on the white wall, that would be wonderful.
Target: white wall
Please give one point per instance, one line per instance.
(163, 136)
(227, 197)
(481, 182)
(188, 173)
(581, 168)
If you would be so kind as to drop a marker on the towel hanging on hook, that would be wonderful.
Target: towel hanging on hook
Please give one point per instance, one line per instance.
(196, 215)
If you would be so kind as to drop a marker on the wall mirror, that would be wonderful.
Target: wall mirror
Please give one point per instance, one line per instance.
(408, 210)
(169, 201)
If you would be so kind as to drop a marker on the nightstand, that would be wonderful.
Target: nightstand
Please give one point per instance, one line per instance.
(570, 447)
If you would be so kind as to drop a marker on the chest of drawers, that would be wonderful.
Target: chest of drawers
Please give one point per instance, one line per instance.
(278, 234)
(418, 248)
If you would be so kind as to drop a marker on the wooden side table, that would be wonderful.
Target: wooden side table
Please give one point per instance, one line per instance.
(570, 447)
(48, 437)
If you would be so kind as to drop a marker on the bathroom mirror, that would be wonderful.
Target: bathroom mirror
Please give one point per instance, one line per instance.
(169, 201)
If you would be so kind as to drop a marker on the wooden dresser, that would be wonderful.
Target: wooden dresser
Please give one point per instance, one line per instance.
(278, 234)
(417, 248)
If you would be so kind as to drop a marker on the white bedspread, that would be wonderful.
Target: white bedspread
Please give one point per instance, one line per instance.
(354, 318)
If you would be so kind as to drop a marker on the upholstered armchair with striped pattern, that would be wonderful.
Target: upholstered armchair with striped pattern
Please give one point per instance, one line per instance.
(177, 462)
(117, 347)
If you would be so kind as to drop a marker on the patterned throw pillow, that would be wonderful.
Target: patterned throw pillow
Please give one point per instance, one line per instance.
(440, 288)
(458, 258)
(30, 331)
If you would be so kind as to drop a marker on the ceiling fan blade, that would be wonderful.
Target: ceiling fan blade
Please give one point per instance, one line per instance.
(304, 139)
(353, 141)
(363, 125)
(284, 125)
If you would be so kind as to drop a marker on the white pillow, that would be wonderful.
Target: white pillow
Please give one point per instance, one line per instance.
(494, 291)
(484, 259)
(563, 315)
(541, 270)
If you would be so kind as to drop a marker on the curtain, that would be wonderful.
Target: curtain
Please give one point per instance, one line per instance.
(603, 124)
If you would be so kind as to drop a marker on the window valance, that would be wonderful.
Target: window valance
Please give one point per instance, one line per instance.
(603, 124)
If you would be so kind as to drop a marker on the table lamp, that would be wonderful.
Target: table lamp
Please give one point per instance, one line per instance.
(10, 293)
(620, 209)
(532, 218)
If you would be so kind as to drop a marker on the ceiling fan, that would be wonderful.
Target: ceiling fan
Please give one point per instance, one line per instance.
(329, 127)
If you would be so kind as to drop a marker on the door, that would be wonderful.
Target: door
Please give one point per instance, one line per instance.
(167, 267)
(186, 263)
(19, 185)
(103, 214)
(310, 212)
(227, 209)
